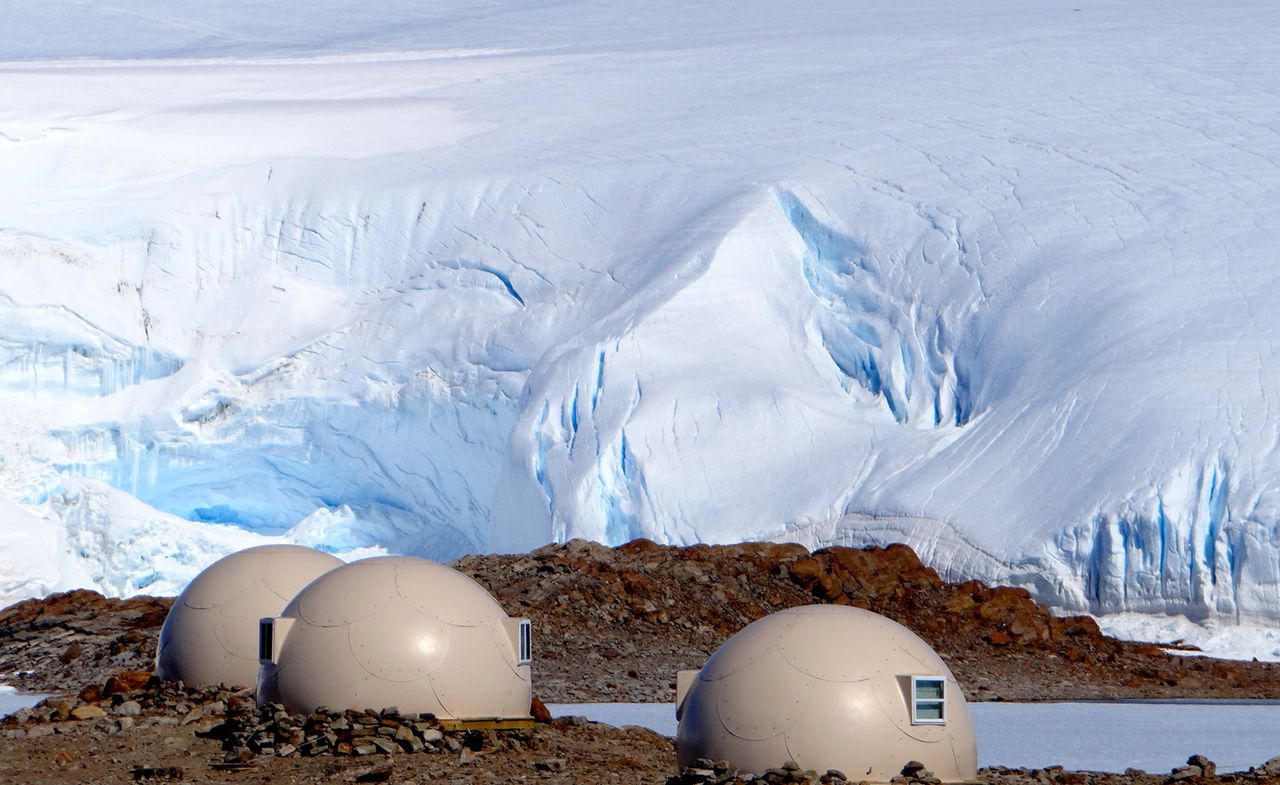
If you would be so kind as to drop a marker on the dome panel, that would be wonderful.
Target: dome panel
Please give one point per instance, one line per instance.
(444, 593)
(747, 645)
(844, 729)
(701, 734)
(236, 632)
(316, 668)
(476, 680)
(223, 581)
(355, 592)
(289, 568)
(763, 700)
(837, 647)
(399, 644)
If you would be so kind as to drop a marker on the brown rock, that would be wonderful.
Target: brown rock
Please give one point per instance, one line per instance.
(87, 712)
(806, 570)
(125, 682)
(71, 653)
(91, 694)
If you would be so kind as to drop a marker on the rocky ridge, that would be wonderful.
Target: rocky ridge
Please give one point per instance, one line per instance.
(616, 624)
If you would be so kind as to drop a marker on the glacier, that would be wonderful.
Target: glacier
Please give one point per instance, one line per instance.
(996, 280)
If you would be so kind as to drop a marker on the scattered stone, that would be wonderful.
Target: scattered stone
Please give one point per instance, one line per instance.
(539, 711)
(384, 745)
(553, 765)
(1207, 767)
(128, 709)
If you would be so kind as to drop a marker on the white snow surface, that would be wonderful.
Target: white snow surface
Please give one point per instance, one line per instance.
(996, 279)
(1213, 636)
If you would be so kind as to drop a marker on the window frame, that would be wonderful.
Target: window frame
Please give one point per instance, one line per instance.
(524, 637)
(266, 639)
(917, 702)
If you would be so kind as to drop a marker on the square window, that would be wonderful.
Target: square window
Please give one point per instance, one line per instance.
(928, 700)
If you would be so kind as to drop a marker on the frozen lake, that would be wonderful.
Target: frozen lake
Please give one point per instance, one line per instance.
(1155, 736)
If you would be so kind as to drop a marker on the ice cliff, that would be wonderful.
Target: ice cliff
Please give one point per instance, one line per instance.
(1000, 283)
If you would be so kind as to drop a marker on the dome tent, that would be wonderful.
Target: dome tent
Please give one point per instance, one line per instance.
(830, 687)
(210, 635)
(397, 631)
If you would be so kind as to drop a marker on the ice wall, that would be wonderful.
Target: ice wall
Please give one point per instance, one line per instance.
(1000, 284)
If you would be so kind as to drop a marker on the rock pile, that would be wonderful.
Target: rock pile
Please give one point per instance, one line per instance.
(914, 773)
(1198, 766)
(271, 730)
(123, 701)
(232, 716)
(707, 772)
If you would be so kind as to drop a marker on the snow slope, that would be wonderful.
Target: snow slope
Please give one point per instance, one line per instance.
(995, 279)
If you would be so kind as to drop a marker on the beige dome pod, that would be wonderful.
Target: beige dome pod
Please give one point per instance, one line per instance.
(210, 635)
(397, 631)
(830, 687)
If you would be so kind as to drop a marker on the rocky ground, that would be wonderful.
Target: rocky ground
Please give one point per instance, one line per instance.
(124, 732)
(610, 624)
(134, 729)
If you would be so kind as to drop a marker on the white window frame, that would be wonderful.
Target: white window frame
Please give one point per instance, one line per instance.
(917, 702)
(525, 643)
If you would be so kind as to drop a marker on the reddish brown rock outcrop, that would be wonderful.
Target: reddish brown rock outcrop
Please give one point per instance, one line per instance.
(618, 623)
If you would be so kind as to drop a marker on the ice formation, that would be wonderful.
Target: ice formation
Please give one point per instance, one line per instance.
(999, 282)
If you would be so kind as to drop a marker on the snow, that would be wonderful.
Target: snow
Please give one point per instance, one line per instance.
(998, 282)
(1215, 637)
(1154, 737)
